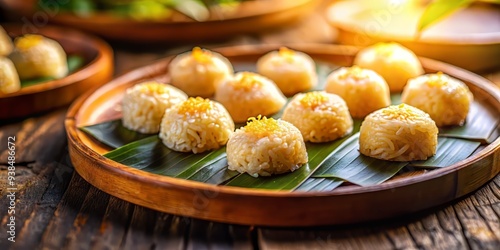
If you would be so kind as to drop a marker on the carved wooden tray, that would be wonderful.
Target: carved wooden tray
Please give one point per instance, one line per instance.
(346, 204)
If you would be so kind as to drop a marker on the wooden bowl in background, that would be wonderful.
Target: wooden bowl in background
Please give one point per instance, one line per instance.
(469, 38)
(346, 204)
(249, 17)
(96, 70)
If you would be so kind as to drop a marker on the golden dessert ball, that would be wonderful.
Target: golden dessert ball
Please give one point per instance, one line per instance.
(395, 63)
(363, 90)
(9, 80)
(196, 125)
(265, 147)
(144, 104)
(291, 70)
(248, 94)
(5, 43)
(319, 116)
(398, 133)
(446, 99)
(37, 56)
(199, 72)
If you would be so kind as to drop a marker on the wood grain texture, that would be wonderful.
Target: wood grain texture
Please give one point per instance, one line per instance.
(471, 223)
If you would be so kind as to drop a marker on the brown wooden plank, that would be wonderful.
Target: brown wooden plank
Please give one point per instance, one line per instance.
(470, 223)
(67, 210)
(25, 201)
(88, 221)
(362, 237)
(244, 237)
(31, 233)
(400, 238)
(114, 225)
(170, 231)
(140, 229)
(478, 219)
(438, 231)
(212, 235)
(40, 139)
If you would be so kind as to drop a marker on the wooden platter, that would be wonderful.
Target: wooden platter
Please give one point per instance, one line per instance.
(346, 204)
(461, 39)
(248, 17)
(97, 69)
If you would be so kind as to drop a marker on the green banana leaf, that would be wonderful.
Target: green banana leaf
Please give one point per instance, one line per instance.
(150, 155)
(348, 164)
(480, 124)
(449, 152)
(319, 184)
(74, 63)
(113, 133)
(439, 9)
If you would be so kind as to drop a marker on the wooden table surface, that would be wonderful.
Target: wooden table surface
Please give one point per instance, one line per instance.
(57, 209)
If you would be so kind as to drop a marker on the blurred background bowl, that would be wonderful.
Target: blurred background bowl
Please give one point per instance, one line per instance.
(247, 17)
(468, 38)
(97, 69)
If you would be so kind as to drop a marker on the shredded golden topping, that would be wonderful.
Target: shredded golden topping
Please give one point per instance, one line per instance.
(402, 112)
(313, 99)
(153, 88)
(437, 80)
(354, 72)
(286, 53)
(248, 81)
(28, 41)
(262, 126)
(194, 105)
(385, 49)
(201, 55)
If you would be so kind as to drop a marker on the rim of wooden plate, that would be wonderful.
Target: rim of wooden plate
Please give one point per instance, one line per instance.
(347, 204)
(98, 69)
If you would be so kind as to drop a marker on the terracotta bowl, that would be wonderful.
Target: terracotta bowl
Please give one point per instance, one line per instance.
(469, 38)
(96, 70)
(249, 17)
(345, 204)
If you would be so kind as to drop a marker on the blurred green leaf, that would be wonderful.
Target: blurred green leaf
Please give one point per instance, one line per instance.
(439, 9)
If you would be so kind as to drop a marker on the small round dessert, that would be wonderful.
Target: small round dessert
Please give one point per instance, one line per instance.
(398, 133)
(248, 94)
(266, 146)
(9, 80)
(395, 63)
(199, 72)
(5, 43)
(292, 71)
(319, 116)
(445, 99)
(144, 104)
(37, 56)
(196, 125)
(363, 90)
